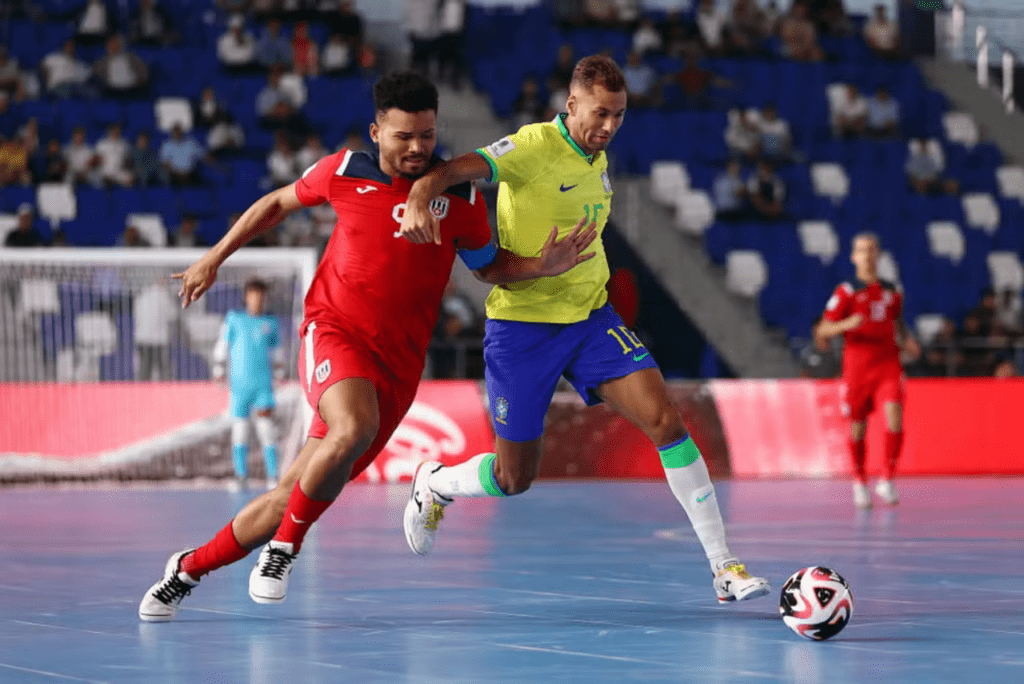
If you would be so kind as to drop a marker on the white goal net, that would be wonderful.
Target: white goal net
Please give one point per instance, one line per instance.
(104, 376)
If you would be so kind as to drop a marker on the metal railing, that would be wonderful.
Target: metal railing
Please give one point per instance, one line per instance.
(995, 31)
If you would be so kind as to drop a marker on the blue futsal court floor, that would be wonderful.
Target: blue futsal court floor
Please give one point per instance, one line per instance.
(572, 582)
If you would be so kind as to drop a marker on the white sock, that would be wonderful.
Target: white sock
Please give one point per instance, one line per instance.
(691, 485)
(472, 478)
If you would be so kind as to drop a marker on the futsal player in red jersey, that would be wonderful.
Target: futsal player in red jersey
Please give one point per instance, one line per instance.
(868, 313)
(369, 315)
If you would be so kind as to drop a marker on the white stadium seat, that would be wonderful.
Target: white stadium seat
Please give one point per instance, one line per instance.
(1011, 181)
(1006, 270)
(981, 211)
(171, 111)
(946, 240)
(960, 127)
(95, 333)
(56, 202)
(888, 269)
(746, 272)
(151, 227)
(694, 212)
(927, 327)
(830, 180)
(836, 93)
(669, 180)
(819, 239)
(38, 296)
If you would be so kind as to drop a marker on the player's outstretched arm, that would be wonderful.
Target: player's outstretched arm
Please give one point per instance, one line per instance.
(263, 215)
(556, 257)
(828, 329)
(419, 226)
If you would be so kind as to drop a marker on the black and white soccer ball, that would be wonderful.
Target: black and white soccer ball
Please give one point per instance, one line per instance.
(816, 603)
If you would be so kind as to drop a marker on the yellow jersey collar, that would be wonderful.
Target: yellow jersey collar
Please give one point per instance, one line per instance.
(560, 122)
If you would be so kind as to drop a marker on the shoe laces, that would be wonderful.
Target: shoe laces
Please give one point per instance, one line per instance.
(173, 590)
(737, 569)
(276, 563)
(434, 516)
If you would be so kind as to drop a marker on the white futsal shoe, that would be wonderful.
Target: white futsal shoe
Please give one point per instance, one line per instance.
(734, 583)
(423, 511)
(861, 496)
(161, 602)
(268, 581)
(886, 491)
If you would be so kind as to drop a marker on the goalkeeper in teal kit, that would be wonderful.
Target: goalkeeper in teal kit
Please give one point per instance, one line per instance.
(248, 345)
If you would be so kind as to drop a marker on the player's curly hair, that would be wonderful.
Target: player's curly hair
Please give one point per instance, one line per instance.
(407, 91)
(598, 70)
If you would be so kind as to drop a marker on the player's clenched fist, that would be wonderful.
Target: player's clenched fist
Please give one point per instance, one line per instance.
(195, 280)
(419, 226)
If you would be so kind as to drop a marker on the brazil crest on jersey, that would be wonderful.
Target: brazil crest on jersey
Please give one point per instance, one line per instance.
(250, 341)
(547, 180)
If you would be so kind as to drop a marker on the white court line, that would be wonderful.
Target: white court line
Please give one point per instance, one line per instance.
(552, 594)
(55, 675)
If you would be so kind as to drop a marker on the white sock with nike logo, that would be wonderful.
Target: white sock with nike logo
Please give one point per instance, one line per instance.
(688, 478)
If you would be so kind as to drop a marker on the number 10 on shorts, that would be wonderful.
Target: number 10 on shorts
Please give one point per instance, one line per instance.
(630, 339)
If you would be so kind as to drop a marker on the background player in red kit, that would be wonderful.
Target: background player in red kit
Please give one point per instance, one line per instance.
(868, 312)
(369, 314)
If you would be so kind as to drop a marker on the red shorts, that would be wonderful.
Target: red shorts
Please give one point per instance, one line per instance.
(328, 354)
(861, 393)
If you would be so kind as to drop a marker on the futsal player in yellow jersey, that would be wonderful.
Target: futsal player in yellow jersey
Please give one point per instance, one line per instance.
(551, 174)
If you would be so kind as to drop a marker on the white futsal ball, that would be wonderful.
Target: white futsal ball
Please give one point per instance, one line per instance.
(816, 603)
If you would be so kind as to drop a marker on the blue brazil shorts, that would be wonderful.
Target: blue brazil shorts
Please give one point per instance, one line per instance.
(525, 360)
(248, 398)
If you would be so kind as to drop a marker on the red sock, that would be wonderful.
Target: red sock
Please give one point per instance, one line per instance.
(222, 550)
(298, 516)
(857, 450)
(893, 447)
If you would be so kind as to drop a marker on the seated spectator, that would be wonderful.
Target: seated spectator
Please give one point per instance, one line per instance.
(680, 37)
(882, 35)
(924, 171)
(274, 105)
(122, 73)
(236, 47)
(337, 56)
(14, 162)
(561, 75)
(973, 343)
(305, 53)
(776, 139)
(208, 110)
(281, 162)
(730, 194)
(25, 234)
(641, 81)
(747, 26)
(851, 115)
(932, 364)
(529, 107)
(458, 321)
(883, 114)
(772, 17)
(114, 154)
(132, 237)
(12, 79)
(711, 22)
(355, 141)
(1008, 312)
(833, 20)
(28, 133)
(647, 39)
(64, 74)
(145, 162)
(294, 86)
(152, 25)
(83, 164)
(766, 192)
(226, 137)
(742, 136)
(341, 17)
(49, 164)
(986, 312)
(1005, 367)
(312, 152)
(95, 23)
(799, 38)
(186, 235)
(180, 156)
(821, 358)
(696, 83)
(272, 47)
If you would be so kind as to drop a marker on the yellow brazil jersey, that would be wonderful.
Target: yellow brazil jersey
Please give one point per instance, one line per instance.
(547, 180)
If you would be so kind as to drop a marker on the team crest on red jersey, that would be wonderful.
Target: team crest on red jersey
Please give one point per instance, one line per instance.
(439, 207)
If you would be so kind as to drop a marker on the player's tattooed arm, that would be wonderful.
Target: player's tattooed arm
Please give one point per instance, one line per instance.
(263, 215)
(556, 257)
(419, 226)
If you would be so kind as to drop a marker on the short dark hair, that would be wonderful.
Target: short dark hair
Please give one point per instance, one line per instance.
(256, 284)
(867, 235)
(598, 70)
(407, 91)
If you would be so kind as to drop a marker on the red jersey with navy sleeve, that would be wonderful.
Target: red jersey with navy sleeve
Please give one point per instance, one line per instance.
(873, 342)
(371, 282)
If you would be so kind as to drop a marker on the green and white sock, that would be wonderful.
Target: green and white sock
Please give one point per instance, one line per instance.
(472, 478)
(688, 477)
